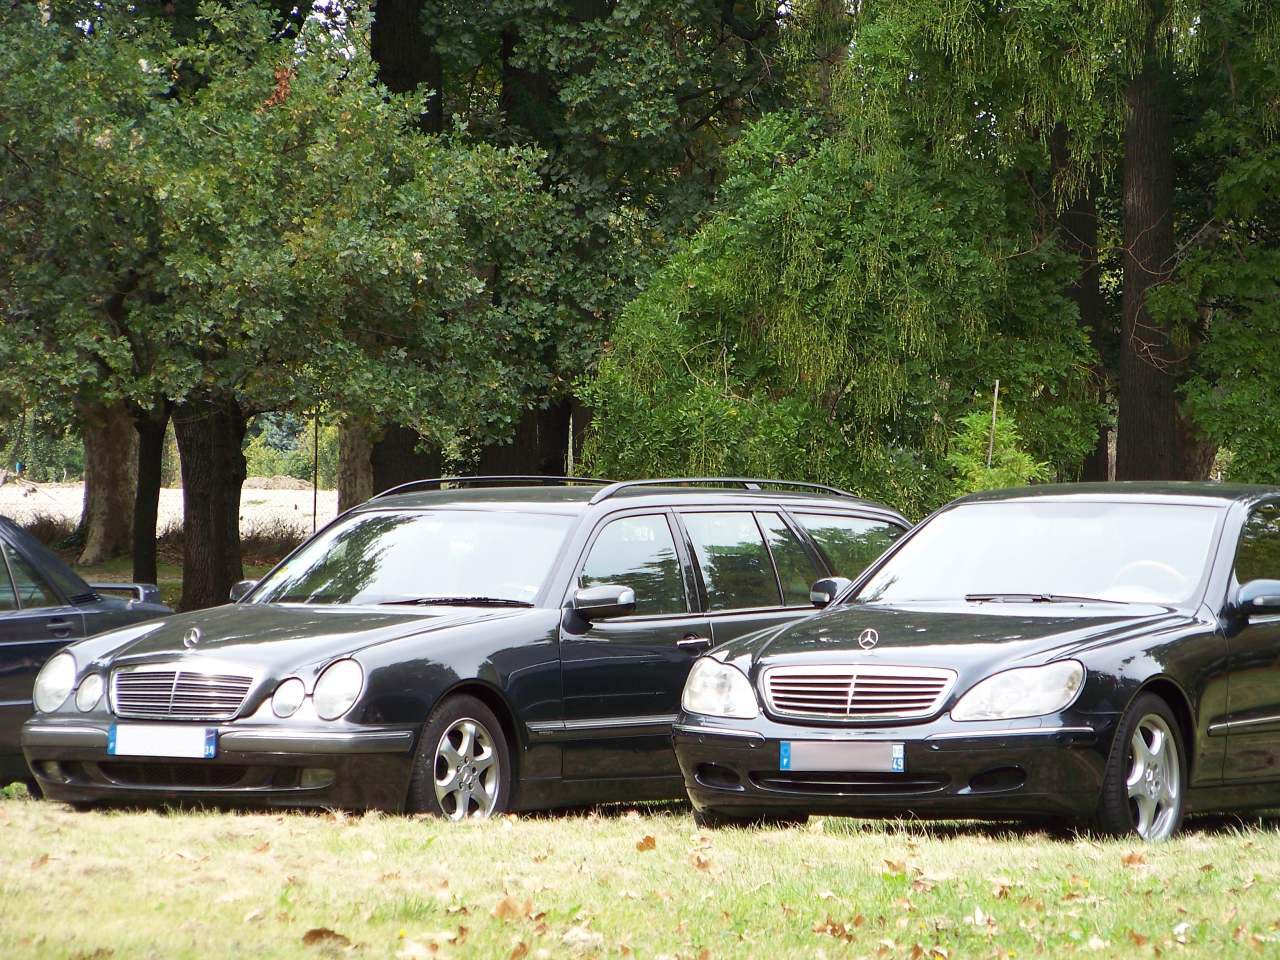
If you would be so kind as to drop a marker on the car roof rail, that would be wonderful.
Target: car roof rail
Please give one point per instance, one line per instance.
(514, 479)
(747, 483)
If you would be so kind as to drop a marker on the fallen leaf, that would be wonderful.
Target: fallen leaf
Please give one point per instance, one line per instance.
(833, 928)
(1133, 859)
(895, 867)
(1207, 868)
(1137, 939)
(263, 847)
(324, 936)
(519, 951)
(39, 861)
(646, 843)
(700, 861)
(507, 909)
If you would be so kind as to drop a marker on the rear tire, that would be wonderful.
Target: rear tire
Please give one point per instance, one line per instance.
(712, 819)
(462, 769)
(1144, 782)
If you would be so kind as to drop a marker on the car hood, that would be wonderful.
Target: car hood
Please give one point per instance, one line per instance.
(277, 637)
(969, 638)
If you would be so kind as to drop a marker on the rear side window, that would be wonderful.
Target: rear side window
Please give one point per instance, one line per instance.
(1258, 555)
(640, 553)
(849, 543)
(796, 567)
(7, 599)
(33, 591)
(735, 564)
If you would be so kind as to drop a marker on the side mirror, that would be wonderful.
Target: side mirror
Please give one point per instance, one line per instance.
(827, 589)
(605, 601)
(241, 589)
(1258, 597)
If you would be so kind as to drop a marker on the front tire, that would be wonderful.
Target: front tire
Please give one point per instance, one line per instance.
(462, 768)
(1144, 785)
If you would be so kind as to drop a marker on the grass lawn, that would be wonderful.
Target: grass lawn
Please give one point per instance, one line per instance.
(621, 883)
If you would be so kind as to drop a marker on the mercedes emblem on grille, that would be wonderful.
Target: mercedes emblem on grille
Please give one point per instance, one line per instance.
(868, 638)
(192, 638)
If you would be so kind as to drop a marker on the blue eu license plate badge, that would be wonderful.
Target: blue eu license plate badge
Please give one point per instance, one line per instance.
(899, 758)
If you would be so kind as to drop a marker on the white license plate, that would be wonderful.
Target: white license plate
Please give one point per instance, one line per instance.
(162, 740)
(859, 756)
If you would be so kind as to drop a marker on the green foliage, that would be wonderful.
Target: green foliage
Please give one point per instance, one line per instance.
(48, 447)
(975, 441)
(285, 447)
(836, 316)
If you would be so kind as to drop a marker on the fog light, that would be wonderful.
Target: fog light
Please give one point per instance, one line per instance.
(315, 777)
(288, 698)
(90, 692)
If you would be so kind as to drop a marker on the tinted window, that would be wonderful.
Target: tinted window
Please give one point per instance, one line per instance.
(796, 568)
(386, 557)
(7, 599)
(849, 543)
(638, 552)
(1110, 550)
(1258, 556)
(735, 564)
(33, 591)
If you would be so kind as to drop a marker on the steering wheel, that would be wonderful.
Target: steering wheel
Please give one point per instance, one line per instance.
(1170, 577)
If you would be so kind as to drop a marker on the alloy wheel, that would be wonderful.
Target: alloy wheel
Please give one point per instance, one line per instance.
(1155, 778)
(467, 773)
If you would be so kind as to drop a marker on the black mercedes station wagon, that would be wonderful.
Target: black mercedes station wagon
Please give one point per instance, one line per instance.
(1108, 654)
(461, 647)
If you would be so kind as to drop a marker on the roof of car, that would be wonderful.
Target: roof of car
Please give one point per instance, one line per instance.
(1171, 491)
(576, 498)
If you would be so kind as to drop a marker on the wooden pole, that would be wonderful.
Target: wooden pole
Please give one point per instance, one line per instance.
(991, 443)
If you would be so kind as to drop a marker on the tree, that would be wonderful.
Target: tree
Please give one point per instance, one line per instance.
(276, 237)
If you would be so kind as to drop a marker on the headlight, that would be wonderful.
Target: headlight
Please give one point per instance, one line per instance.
(1024, 692)
(719, 690)
(337, 689)
(288, 697)
(54, 683)
(90, 692)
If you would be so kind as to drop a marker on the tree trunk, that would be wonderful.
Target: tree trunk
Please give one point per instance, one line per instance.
(110, 476)
(355, 463)
(210, 438)
(150, 426)
(406, 55)
(1148, 445)
(396, 459)
(540, 445)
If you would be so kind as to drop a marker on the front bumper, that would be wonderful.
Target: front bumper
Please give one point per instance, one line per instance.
(1045, 766)
(256, 764)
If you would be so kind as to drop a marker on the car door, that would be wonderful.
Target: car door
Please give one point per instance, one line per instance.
(35, 622)
(1253, 692)
(753, 571)
(623, 676)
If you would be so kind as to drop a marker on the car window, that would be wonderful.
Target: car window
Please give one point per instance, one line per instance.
(736, 569)
(796, 567)
(849, 543)
(33, 591)
(1258, 555)
(8, 600)
(640, 553)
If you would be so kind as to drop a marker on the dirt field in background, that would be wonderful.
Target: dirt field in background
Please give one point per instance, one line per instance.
(258, 507)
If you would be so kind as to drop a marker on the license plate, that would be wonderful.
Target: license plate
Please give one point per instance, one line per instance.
(162, 740)
(842, 757)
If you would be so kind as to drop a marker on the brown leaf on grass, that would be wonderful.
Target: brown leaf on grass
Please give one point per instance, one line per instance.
(895, 868)
(1207, 868)
(323, 936)
(263, 847)
(253, 916)
(647, 842)
(39, 861)
(1000, 887)
(700, 861)
(1133, 859)
(1137, 939)
(704, 953)
(834, 928)
(519, 951)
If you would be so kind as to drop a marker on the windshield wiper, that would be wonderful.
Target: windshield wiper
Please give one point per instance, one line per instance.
(1033, 598)
(458, 602)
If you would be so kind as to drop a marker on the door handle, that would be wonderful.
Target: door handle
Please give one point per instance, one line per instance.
(693, 642)
(59, 628)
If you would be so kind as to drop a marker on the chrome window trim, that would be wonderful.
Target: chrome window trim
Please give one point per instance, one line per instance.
(853, 671)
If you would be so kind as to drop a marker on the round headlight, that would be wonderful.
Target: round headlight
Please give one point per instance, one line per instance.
(54, 683)
(90, 692)
(718, 690)
(288, 698)
(337, 689)
(1022, 692)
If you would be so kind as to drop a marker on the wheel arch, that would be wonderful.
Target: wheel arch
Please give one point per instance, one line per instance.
(492, 698)
(1171, 693)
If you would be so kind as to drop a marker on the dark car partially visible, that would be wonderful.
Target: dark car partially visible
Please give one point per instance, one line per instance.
(44, 606)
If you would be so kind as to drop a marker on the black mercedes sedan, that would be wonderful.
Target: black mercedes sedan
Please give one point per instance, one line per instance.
(44, 605)
(458, 647)
(1103, 653)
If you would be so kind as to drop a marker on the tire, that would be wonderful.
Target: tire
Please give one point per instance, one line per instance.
(33, 789)
(711, 819)
(1144, 789)
(462, 769)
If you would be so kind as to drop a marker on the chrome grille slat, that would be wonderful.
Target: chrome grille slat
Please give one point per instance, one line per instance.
(854, 692)
(157, 693)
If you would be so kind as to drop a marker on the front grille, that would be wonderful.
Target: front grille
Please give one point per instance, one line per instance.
(856, 692)
(174, 774)
(178, 694)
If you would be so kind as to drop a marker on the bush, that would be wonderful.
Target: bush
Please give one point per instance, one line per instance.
(1011, 465)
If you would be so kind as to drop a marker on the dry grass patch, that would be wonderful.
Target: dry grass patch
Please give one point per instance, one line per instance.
(627, 883)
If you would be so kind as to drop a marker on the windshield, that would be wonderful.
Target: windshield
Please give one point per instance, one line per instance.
(400, 557)
(1033, 551)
